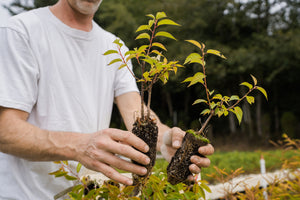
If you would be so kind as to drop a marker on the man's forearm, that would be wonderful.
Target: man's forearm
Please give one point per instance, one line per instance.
(19, 138)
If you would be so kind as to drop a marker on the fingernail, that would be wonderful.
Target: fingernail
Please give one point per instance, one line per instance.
(146, 148)
(129, 182)
(144, 171)
(176, 144)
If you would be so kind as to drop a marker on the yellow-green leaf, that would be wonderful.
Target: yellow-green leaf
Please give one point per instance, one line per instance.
(194, 42)
(160, 15)
(110, 52)
(247, 85)
(262, 90)
(197, 78)
(115, 61)
(194, 58)
(199, 101)
(143, 36)
(142, 28)
(167, 22)
(150, 15)
(78, 168)
(238, 113)
(218, 96)
(157, 44)
(254, 79)
(117, 42)
(205, 112)
(216, 52)
(70, 178)
(250, 99)
(164, 34)
(234, 98)
(122, 66)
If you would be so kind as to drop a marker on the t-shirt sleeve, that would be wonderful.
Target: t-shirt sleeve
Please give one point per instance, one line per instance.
(124, 81)
(18, 71)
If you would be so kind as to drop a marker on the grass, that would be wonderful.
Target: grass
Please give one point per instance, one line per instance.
(248, 160)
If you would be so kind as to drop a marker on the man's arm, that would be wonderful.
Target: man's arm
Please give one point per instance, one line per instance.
(96, 151)
(169, 139)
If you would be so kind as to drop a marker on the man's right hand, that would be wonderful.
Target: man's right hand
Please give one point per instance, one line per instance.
(102, 150)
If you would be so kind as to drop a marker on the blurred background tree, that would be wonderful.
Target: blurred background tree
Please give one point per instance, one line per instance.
(259, 37)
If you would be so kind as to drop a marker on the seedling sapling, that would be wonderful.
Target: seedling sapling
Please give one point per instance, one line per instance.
(217, 105)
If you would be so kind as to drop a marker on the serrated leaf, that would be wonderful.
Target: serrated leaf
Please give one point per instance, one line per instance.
(247, 85)
(160, 15)
(262, 90)
(115, 61)
(157, 44)
(110, 52)
(142, 28)
(254, 79)
(216, 52)
(199, 101)
(194, 58)
(143, 36)
(164, 34)
(167, 22)
(194, 42)
(250, 99)
(205, 112)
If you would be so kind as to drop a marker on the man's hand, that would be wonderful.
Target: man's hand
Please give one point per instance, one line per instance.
(102, 151)
(172, 140)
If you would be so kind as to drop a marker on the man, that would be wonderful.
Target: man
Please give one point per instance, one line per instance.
(56, 97)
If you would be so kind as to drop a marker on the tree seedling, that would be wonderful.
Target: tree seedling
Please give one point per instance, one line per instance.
(154, 67)
(216, 105)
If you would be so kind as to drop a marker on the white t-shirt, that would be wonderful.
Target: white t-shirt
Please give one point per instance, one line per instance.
(60, 76)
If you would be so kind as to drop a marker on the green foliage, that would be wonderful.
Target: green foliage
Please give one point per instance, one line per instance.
(217, 104)
(150, 57)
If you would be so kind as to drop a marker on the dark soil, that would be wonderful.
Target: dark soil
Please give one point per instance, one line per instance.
(178, 169)
(147, 131)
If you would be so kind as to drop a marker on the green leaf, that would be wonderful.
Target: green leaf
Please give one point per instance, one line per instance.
(199, 101)
(238, 113)
(70, 178)
(247, 85)
(150, 15)
(211, 92)
(194, 42)
(262, 90)
(234, 98)
(78, 168)
(194, 58)
(205, 112)
(254, 79)
(115, 61)
(250, 99)
(117, 42)
(142, 28)
(110, 52)
(216, 52)
(143, 36)
(157, 44)
(122, 66)
(197, 78)
(60, 174)
(218, 96)
(160, 15)
(167, 22)
(164, 34)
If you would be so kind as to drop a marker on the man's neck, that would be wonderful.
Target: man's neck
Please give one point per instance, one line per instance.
(65, 13)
